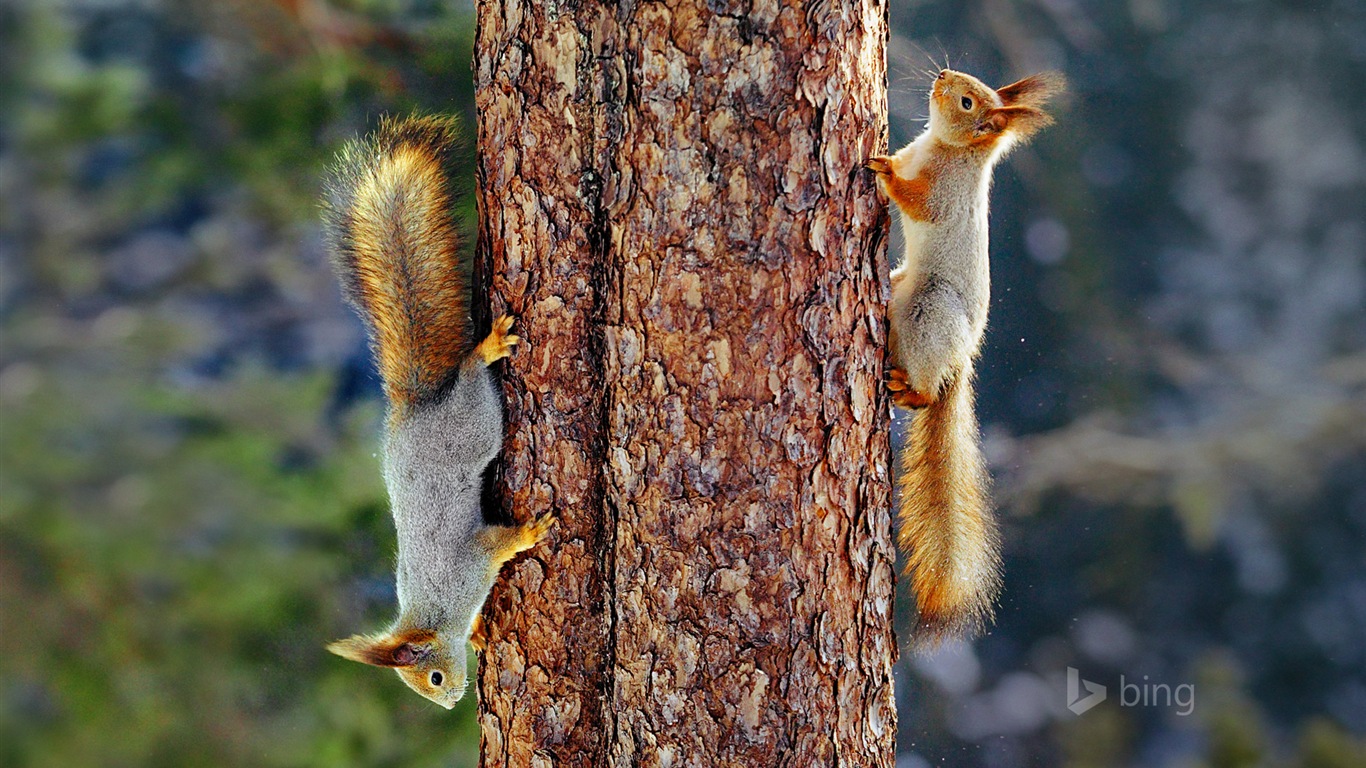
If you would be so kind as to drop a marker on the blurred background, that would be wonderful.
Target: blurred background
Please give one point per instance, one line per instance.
(1173, 387)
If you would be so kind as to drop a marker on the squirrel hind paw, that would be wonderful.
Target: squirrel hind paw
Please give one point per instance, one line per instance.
(911, 400)
(499, 343)
(538, 528)
(479, 633)
(903, 395)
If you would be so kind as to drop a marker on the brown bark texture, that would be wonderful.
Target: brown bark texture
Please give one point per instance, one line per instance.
(674, 208)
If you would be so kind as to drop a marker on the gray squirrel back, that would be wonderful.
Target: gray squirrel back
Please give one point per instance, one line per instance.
(434, 463)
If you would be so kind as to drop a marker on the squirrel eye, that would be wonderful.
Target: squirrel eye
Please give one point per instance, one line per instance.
(967, 102)
(436, 678)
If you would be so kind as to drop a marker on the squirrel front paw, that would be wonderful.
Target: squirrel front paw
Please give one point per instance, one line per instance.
(499, 343)
(903, 396)
(536, 530)
(879, 164)
(522, 537)
(505, 542)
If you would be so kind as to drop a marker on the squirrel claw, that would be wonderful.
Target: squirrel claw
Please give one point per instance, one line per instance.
(896, 380)
(879, 164)
(499, 343)
(504, 543)
(910, 400)
(903, 396)
(538, 528)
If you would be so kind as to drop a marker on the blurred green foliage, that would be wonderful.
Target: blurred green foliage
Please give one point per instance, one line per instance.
(183, 522)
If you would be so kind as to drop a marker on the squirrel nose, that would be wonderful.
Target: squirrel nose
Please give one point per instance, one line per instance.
(942, 72)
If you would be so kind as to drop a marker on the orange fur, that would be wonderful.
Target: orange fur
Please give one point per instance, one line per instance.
(499, 343)
(505, 543)
(913, 195)
(947, 527)
(903, 395)
(1014, 111)
(389, 650)
(397, 249)
(1034, 91)
(1023, 121)
(479, 633)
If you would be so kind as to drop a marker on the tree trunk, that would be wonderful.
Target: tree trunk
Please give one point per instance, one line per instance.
(674, 208)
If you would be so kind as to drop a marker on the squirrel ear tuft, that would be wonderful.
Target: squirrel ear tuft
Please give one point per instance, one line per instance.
(1035, 90)
(379, 651)
(1022, 121)
(388, 650)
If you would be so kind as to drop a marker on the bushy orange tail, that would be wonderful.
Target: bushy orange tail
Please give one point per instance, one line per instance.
(947, 528)
(393, 238)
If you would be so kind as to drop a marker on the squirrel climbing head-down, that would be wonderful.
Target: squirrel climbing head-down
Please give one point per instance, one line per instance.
(393, 239)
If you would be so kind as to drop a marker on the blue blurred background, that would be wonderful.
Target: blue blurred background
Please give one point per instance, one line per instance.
(1173, 387)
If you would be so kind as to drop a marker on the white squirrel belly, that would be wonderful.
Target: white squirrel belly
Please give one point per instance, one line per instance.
(906, 275)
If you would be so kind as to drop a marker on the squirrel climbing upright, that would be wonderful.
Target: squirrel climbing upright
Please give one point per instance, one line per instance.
(940, 293)
(393, 239)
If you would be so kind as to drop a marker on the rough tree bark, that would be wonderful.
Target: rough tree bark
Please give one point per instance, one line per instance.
(673, 207)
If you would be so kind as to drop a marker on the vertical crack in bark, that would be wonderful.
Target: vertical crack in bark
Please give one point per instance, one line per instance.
(606, 286)
(678, 228)
(538, 87)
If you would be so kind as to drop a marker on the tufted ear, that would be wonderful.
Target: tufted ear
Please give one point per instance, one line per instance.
(403, 649)
(1022, 121)
(1034, 91)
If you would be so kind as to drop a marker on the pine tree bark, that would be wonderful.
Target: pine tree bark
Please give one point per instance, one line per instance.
(674, 208)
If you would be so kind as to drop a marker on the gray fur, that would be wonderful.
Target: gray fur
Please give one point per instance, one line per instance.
(434, 463)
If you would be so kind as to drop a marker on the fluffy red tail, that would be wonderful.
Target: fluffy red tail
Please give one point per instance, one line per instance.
(947, 528)
(393, 237)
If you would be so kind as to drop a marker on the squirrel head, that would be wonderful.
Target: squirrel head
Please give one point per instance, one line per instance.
(965, 111)
(427, 662)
